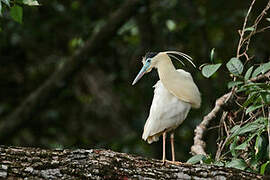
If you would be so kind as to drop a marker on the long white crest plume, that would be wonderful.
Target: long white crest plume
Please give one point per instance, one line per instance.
(187, 57)
(170, 55)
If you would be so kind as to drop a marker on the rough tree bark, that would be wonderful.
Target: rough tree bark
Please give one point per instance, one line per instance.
(35, 163)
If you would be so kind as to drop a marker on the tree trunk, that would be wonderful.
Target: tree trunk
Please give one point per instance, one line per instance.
(35, 163)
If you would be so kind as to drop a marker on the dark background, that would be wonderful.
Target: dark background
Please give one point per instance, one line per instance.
(98, 107)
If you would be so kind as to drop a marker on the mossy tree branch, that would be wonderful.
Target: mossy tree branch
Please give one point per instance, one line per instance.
(35, 163)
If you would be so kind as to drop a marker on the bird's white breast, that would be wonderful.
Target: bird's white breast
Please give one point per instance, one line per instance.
(167, 112)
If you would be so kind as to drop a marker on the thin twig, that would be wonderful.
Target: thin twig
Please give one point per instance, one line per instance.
(224, 123)
(243, 29)
(263, 29)
(221, 145)
(245, 41)
(213, 127)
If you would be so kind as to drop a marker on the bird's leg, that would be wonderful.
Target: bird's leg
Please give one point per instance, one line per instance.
(172, 147)
(164, 148)
(173, 153)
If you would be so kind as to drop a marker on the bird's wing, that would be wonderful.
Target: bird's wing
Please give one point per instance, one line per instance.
(183, 87)
(166, 112)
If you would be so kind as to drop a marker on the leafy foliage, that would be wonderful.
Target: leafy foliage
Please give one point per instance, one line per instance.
(31, 2)
(196, 159)
(199, 158)
(16, 10)
(247, 141)
(16, 13)
(212, 55)
(210, 69)
(235, 66)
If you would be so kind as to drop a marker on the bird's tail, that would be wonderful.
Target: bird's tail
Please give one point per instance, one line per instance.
(150, 139)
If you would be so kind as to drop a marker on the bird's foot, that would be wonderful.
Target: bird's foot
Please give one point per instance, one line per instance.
(171, 162)
(163, 162)
(175, 162)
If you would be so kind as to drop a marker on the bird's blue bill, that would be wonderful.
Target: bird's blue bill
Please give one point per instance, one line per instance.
(141, 73)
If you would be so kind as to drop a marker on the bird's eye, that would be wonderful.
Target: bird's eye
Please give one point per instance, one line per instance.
(148, 60)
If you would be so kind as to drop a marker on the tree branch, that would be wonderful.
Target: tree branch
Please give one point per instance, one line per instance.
(199, 144)
(35, 163)
(39, 97)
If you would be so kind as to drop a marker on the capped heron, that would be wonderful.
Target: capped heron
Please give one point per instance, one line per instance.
(175, 93)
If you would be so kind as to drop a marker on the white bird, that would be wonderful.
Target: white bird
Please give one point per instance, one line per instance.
(175, 93)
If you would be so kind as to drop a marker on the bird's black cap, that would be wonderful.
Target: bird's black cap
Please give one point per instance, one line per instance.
(151, 54)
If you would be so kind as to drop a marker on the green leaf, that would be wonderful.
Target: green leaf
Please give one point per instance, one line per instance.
(248, 73)
(259, 146)
(208, 160)
(218, 163)
(249, 128)
(249, 29)
(242, 146)
(171, 25)
(266, 67)
(16, 13)
(210, 69)
(234, 83)
(235, 66)
(258, 124)
(197, 158)
(235, 128)
(263, 68)
(250, 99)
(266, 97)
(31, 2)
(253, 108)
(237, 163)
(233, 146)
(6, 2)
(234, 132)
(257, 71)
(261, 120)
(253, 164)
(212, 55)
(263, 167)
(268, 19)
(245, 143)
(256, 84)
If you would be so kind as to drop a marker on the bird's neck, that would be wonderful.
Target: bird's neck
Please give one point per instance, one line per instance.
(166, 69)
(179, 83)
